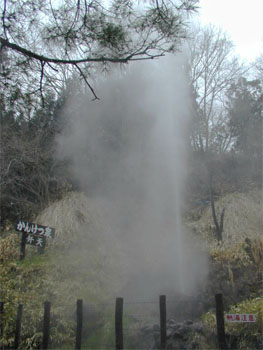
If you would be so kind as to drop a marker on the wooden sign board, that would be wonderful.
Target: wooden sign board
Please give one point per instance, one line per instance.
(240, 318)
(36, 240)
(33, 234)
(35, 229)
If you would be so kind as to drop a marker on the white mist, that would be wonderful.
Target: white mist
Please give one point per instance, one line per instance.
(128, 152)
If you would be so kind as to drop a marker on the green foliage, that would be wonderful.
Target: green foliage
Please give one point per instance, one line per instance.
(244, 253)
(245, 108)
(103, 336)
(83, 272)
(203, 341)
(48, 33)
(238, 270)
(250, 306)
(249, 335)
(27, 283)
(112, 35)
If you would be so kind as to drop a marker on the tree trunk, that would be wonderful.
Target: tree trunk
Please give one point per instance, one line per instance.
(218, 226)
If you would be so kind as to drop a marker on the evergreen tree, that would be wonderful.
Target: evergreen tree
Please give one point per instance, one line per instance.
(44, 42)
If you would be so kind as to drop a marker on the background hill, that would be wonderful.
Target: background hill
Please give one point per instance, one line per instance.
(243, 217)
(82, 263)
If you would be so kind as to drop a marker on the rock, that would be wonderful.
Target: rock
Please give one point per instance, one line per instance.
(188, 322)
(156, 327)
(198, 327)
(179, 334)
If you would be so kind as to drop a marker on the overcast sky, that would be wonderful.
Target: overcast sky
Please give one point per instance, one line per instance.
(241, 19)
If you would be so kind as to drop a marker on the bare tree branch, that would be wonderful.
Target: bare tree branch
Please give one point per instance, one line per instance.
(77, 33)
(213, 69)
(41, 58)
(86, 81)
(3, 19)
(41, 83)
(218, 226)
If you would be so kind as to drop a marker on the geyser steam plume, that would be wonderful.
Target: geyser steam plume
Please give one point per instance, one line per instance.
(128, 152)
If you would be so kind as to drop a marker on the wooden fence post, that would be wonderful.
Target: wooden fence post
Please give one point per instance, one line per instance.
(79, 323)
(220, 322)
(18, 325)
(2, 304)
(162, 303)
(46, 324)
(118, 324)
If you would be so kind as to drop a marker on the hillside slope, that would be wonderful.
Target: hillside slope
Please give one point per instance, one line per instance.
(85, 262)
(243, 218)
(80, 263)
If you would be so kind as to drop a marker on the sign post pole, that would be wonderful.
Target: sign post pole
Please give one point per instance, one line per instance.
(162, 304)
(79, 323)
(220, 322)
(18, 326)
(46, 325)
(118, 324)
(23, 246)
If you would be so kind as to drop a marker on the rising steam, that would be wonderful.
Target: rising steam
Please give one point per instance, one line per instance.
(128, 153)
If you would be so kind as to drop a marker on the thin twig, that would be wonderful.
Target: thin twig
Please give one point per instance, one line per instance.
(41, 83)
(75, 18)
(56, 70)
(3, 19)
(86, 81)
(54, 16)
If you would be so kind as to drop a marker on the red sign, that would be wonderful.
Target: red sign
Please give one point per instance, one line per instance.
(240, 318)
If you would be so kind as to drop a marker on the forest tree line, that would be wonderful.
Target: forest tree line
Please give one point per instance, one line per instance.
(80, 39)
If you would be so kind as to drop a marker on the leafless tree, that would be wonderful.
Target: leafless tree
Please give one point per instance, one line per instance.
(212, 68)
(257, 67)
(29, 177)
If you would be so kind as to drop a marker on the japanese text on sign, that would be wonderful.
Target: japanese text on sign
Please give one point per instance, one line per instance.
(240, 318)
(35, 229)
(39, 241)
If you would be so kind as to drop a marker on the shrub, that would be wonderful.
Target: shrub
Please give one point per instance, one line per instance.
(248, 335)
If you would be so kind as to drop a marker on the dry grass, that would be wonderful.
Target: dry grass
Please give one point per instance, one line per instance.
(73, 218)
(86, 261)
(243, 218)
(247, 252)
